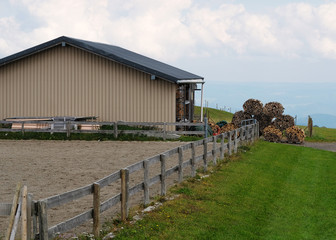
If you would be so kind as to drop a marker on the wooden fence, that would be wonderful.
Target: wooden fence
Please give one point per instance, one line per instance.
(38, 210)
(69, 127)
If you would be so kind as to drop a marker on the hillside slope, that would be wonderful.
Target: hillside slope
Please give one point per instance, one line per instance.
(215, 114)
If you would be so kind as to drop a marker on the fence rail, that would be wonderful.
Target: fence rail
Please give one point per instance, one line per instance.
(229, 143)
(70, 127)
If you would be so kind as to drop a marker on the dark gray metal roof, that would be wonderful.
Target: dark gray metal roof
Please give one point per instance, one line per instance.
(118, 54)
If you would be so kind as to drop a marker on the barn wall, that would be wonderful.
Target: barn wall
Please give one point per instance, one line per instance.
(69, 81)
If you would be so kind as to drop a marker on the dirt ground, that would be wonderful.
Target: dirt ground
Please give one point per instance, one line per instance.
(52, 167)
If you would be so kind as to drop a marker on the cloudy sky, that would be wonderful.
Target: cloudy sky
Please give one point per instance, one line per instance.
(272, 50)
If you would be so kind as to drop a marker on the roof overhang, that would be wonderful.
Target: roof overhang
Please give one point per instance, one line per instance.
(183, 81)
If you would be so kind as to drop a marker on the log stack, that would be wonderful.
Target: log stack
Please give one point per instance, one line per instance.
(272, 130)
(272, 134)
(283, 122)
(295, 134)
(227, 127)
(239, 116)
(253, 107)
(273, 109)
(264, 121)
(213, 126)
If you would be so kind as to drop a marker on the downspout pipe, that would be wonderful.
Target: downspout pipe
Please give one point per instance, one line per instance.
(202, 103)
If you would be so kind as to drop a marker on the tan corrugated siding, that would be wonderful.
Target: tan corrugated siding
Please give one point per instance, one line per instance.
(69, 81)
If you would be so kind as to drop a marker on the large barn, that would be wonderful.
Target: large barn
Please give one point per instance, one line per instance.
(72, 77)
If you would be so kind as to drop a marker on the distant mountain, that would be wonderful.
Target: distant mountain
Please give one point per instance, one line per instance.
(321, 120)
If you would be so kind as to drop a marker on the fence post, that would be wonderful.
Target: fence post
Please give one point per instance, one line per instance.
(22, 129)
(222, 147)
(235, 141)
(115, 128)
(24, 214)
(68, 128)
(214, 138)
(249, 130)
(43, 220)
(205, 154)
(230, 143)
(193, 160)
(205, 127)
(245, 134)
(164, 131)
(96, 209)
(242, 135)
(180, 165)
(163, 174)
(252, 133)
(124, 193)
(35, 214)
(13, 210)
(146, 182)
(29, 214)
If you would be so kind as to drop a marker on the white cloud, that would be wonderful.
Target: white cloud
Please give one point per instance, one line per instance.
(168, 30)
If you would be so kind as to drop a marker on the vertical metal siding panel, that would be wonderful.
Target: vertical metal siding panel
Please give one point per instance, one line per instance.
(51, 86)
(69, 81)
(123, 93)
(122, 96)
(80, 79)
(2, 97)
(152, 102)
(119, 92)
(38, 87)
(130, 94)
(84, 85)
(25, 96)
(4, 88)
(91, 64)
(136, 97)
(101, 79)
(57, 84)
(65, 81)
(145, 98)
(13, 95)
(64, 93)
(109, 105)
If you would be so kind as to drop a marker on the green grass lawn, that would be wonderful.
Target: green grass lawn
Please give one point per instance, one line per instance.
(321, 134)
(215, 114)
(271, 191)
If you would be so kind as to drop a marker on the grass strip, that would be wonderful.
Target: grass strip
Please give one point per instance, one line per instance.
(215, 114)
(321, 134)
(272, 191)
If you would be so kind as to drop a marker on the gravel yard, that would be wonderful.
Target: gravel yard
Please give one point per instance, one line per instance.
(52, 167)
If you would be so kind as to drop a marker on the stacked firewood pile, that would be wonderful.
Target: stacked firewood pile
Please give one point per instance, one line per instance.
(214, 127)
(227, 127)
(264, 121)
(272, 134)
(273, 109)
(253, 107)
(295, 134)
(272, 122)
(239, 116)
(283, 122)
